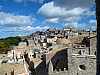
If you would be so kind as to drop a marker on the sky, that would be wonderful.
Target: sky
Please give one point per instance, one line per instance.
(23, 17)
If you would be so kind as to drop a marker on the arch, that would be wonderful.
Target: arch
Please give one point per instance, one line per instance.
(60, 61)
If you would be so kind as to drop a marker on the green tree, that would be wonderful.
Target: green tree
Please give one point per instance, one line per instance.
(6, 43)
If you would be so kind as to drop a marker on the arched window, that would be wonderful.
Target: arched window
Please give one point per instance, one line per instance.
(82, 67)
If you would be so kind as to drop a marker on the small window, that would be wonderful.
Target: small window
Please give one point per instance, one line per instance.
(82, 67)
(62, 69)
(66, 37)
(79, 52)
(95, 53)
(32, 55)
(80, 33)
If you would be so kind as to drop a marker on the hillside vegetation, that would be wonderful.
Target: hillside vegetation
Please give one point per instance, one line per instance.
(5, 44)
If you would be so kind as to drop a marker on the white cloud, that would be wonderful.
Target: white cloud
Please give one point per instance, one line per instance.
(28, 28)
(72, 18)
(51, 11)
(32, 29)
(13, 25)
(41, 28)
(22, 31)
(75, 11)
(14, 20)
(66, 11)
(73, 24)
(90, 11)
(56, 14)
(70, 4)
(53, 20)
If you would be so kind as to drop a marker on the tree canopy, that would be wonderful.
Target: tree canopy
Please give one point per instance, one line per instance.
(6, 43)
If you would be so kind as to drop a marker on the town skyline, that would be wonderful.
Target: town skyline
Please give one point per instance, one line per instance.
(22, 17)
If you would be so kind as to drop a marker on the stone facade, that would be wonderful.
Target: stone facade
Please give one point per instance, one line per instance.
(81, 64)
(78, 64)
(76, 59)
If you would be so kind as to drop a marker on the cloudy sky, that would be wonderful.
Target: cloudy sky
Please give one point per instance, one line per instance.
(22, 17)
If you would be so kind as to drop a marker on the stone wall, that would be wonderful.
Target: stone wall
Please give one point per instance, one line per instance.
(81, 64)
(80, 51)
(75, 64)
(59, 73)
(93, 44)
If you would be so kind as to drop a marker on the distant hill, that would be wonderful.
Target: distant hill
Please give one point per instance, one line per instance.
(6, 43)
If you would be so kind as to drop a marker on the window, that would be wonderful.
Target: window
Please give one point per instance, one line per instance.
(79, 52)
(95, 53)
(66, 37)
(82, 67)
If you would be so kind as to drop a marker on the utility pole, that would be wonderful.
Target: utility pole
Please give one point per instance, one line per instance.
(89, 37)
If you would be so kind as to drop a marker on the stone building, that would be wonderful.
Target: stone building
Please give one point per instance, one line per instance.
(74, 60)
(70, 54)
